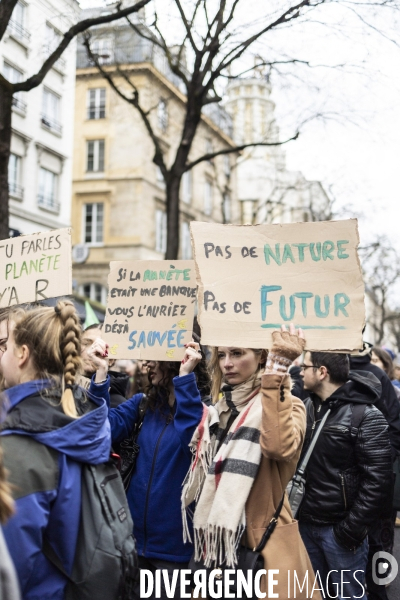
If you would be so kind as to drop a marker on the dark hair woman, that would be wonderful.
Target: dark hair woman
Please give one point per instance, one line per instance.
(173, 409)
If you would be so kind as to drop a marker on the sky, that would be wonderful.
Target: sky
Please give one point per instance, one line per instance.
(354, 149)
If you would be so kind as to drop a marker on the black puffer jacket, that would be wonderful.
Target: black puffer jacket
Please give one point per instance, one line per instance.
(348, 478)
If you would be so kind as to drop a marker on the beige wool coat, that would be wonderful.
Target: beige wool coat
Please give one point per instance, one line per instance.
(282, 434)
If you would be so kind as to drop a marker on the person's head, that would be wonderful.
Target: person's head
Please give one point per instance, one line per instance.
(396, 371)
(324, 371)
(234, 366)
(88, 337)
(383, 360)
(44, 343)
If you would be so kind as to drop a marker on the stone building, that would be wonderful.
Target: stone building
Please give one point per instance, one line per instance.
(40, 167)
(266, 190)
(119, 210)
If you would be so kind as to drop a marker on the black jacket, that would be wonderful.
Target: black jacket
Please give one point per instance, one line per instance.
(349, 475)
(387, 402)
(118, 386)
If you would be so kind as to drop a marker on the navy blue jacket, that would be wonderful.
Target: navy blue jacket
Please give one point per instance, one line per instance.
(154, 495)
(43, 451)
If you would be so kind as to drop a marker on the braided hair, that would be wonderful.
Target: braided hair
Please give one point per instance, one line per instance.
(53, 337)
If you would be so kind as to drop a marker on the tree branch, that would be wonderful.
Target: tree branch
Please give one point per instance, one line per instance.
(186, 25)
(6, 10)
(212, 155)
(134, 101)
(75, 30)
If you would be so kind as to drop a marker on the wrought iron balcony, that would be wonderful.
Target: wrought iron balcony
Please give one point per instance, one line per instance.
(17, 30)
(15, 190)
(51, 124)
(19, 105)
(49, 202)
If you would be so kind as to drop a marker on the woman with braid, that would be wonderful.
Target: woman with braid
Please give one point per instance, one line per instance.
(50, 429)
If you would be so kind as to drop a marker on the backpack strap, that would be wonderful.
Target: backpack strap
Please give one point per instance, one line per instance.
(357, 416)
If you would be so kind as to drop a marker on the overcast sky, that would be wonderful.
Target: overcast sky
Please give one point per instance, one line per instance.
(356, 152)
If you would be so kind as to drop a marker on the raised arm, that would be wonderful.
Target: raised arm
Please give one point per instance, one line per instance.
(284, 416)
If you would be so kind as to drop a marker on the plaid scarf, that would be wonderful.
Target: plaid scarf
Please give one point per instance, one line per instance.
(220, 482)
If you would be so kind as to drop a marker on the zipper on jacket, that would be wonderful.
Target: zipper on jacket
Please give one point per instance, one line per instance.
(344, 491)
(150, 482)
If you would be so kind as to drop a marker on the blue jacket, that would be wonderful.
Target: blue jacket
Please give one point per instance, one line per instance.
(43, 451)
(154, 495)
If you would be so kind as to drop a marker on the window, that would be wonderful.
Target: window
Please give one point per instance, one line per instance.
(93, 215)
(186, 242)
(162, 115)
(51, 111)
(14, 75)
(227, 166)
(209, 148)
(227, 208)
(14, 177)
(208, 197)
(187, 187)
(16, 24)
(95, 156)
(161, 231)
(48, 184)
(96, 108)
(103, 50)
(94, 291)
(52, 40)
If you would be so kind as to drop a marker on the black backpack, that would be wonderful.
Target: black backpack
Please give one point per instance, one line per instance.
(105, 563)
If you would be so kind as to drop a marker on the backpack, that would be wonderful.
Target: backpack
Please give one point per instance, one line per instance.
(105, 563)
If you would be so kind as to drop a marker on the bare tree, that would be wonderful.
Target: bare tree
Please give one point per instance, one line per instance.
(213, 44)
(381, 267)
(8, 89)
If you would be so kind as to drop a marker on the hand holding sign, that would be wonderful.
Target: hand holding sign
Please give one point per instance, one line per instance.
(253, 278)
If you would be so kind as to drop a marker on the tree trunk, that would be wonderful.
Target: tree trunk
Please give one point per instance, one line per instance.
(5, 143)
(173, 233)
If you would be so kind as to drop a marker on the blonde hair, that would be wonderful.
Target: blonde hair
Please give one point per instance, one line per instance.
(216, 373)
(53, 336)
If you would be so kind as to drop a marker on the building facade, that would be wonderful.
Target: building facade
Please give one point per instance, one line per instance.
(267, 191)
(40, 167)
(119, 209)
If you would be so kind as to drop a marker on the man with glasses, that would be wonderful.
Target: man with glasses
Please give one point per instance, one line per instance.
(348, 476)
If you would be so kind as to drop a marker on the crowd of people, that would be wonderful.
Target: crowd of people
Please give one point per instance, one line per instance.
(220, 436)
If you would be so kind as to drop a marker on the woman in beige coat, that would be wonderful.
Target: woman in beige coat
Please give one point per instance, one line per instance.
(245, 452)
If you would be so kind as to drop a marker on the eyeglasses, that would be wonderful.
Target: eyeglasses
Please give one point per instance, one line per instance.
(304, 367)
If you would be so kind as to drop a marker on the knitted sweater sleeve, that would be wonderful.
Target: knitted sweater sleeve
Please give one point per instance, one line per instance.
(283, 423)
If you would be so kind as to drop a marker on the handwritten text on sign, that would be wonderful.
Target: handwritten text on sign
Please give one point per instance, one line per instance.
(254, 278)
(150, 308)
(35, 267)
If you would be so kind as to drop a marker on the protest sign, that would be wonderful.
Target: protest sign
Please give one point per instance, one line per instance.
(254, 278)
(150, 308)
(35, 267)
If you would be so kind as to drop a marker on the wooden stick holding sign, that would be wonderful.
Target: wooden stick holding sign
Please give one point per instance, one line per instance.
(35, 267)
(150, 309)
(253, 278)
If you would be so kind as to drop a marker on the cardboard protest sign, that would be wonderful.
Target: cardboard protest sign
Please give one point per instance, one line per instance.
(150, 308)
(254, 278)
(35, 267)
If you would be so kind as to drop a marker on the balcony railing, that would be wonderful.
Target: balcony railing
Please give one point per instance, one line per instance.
(51, 124)
(15, 190)
(18, 31)
(19, 105)
(48, 202)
